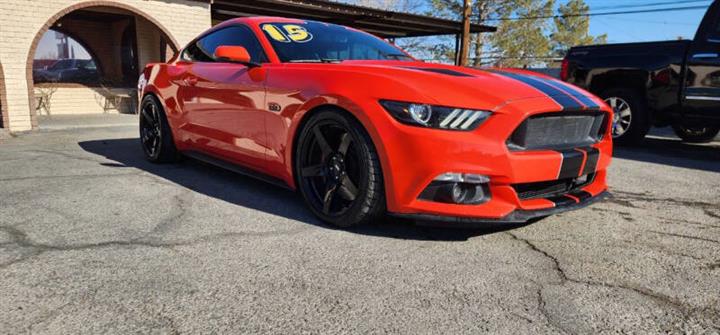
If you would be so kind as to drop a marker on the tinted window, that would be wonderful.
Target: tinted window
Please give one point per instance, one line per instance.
(204, 49)
(311, 41)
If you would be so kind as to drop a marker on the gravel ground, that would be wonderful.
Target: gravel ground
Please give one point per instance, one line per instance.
(95, 240)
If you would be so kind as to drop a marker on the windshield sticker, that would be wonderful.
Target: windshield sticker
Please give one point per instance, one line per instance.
(288, 33)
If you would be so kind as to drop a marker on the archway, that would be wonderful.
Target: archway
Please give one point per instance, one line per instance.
(111, 32)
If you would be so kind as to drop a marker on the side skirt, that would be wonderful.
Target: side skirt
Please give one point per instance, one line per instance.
(236, 168)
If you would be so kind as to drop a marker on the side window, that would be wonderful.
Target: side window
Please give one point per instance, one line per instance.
(204, 49)
(194, 53)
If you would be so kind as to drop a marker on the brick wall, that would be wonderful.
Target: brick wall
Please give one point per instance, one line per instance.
(79, 99)
(22, 22)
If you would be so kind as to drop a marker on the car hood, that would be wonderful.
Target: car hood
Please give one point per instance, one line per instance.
(471, 88)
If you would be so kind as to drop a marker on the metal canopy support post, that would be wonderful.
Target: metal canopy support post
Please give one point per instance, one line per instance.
(465, 45)
(457, 49)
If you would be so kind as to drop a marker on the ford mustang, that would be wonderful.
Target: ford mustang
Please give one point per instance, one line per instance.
(361, 129)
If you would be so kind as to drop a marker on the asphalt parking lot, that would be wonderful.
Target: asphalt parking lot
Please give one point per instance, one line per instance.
(95, 240)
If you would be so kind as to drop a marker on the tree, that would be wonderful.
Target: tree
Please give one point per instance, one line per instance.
(516, 43)
(572, 28)
(482, 10)
(413, 45)
(520, 40)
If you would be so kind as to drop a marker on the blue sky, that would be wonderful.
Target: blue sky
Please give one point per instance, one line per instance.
(645, 26)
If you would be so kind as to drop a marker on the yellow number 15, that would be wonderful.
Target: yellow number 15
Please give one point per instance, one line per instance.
(291, 33)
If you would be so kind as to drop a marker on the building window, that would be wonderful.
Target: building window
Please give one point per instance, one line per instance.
(60, 58)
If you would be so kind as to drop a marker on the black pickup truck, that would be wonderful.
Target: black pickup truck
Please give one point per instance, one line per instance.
(673, 83)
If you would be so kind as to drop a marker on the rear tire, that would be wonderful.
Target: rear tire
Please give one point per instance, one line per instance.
(696, 134)
(156, 136)
(338, 170)
(631, 120)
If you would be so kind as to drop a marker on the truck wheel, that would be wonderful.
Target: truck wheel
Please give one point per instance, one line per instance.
(696, 134)
(631, 121)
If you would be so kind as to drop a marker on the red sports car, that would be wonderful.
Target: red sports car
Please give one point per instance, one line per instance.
(362, 129)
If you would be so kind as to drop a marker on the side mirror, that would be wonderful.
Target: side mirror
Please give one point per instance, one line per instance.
(234, 54)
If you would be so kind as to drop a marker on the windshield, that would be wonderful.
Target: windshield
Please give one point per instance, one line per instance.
(311, 41)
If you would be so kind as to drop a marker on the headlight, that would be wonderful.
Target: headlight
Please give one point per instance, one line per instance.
(424, 115)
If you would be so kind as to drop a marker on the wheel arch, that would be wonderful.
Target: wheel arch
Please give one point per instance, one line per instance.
(351, 110)
(152, 91)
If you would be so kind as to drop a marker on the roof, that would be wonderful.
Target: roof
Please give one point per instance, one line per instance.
(383, 23)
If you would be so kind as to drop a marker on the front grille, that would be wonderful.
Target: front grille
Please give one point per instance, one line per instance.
(551, 188)
(558, 131)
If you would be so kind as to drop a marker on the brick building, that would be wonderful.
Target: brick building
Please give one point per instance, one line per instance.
(100, 26)
(121, 36)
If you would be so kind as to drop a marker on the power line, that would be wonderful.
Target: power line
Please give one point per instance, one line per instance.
(650, 4)
(659, 22)
(602, 14)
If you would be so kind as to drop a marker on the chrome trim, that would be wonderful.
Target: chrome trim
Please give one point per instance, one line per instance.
(701, 97)
(713, 40)
(705, 55)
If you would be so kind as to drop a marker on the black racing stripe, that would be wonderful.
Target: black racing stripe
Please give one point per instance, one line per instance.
(562, 200)
(593, 154)
(571, 164)
(441, 71)
(581, 195)
(562, 98)
(572, 90)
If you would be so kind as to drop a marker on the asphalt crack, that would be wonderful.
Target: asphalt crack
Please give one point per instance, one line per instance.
(686, 311)
(684, 236)
(21, 240)
(151, 239)
(628, 199)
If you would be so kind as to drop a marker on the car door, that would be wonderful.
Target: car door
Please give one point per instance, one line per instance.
(223, 102)
(701, 96)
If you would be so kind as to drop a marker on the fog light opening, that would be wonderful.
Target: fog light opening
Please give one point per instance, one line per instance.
(464, 193)
(458, 188)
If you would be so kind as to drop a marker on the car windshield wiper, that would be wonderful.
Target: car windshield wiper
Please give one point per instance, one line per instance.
(321, 60)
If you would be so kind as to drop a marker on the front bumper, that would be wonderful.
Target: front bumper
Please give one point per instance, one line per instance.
(517, 216)
(412, 157)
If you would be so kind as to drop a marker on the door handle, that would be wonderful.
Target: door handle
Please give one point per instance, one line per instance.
(705, 55)
(190, 81)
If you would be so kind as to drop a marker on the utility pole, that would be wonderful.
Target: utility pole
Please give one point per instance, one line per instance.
(465, 44)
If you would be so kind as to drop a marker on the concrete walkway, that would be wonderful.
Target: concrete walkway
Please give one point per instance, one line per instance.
(62, 122)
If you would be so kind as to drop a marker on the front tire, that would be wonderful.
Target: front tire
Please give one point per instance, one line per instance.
(155, 134)
(631, 120)
(338, 171)
(696, 134)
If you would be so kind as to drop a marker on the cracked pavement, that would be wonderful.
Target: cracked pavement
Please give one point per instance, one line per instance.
(95, 240)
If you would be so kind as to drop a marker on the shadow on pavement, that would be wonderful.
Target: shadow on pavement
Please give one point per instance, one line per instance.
(254, 194)
(669, 151)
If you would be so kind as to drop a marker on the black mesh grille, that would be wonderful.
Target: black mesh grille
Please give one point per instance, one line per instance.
(558, 131)
(550, 188)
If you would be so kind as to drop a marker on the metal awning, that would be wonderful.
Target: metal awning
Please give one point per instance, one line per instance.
(382, 23)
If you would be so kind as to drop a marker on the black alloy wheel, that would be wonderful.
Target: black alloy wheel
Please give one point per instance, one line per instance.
(338, 170)
(155, 135)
